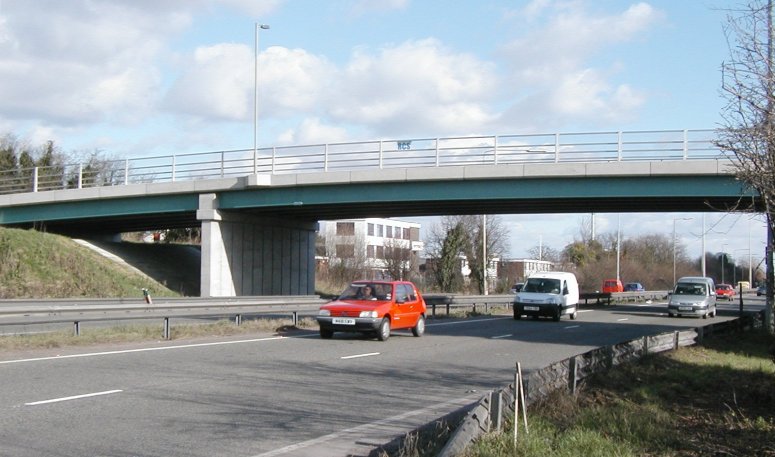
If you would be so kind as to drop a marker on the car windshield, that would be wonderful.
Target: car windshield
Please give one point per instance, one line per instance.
(690, 289)
(542, 285)
(367, 291)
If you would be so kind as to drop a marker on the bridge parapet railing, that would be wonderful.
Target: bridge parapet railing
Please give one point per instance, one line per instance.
(614, 146)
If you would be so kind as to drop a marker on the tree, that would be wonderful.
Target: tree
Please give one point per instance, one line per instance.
(748, 133)
(399, 261)
(468, 236)
(448, 275)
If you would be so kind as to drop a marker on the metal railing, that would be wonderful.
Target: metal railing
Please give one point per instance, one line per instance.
(618, 146)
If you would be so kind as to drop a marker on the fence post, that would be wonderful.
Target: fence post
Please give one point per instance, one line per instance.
(676, 337)
(166, 330)
(35, 179)
(496, 410)
(573, 374)
(295, 318)
(77, 328)
(238, 319)
(126, 172)
(80, 176)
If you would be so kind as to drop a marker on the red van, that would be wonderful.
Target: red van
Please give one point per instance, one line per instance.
(612, 285)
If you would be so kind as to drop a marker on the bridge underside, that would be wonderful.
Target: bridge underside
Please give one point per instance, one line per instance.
(260, 240)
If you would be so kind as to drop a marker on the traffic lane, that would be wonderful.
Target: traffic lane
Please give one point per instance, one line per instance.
(211, 401)
(251, 397)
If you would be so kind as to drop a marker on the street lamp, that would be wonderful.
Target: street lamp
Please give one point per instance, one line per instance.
(723, 255)
(255, 99)
(677, 219)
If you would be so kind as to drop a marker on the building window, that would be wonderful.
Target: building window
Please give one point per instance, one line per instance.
(370, 251)
(345, 251)
(380, 252)
(370, 229)
(388, 231)
(345, 228)
(407, 234)
(379, 230)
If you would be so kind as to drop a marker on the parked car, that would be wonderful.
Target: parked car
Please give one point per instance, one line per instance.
(634, 287)
(725, 291)
(693, 296)
(761, 290)
(612, 285)
(374, 307)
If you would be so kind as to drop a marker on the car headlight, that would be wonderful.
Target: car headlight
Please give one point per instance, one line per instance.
(324, 312)
(368, 314)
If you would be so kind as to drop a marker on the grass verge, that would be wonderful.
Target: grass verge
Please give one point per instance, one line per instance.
(717, 399)
(147, 332)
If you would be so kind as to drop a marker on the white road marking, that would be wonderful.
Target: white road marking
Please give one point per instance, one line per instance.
(359, 355)
(623, 319)
(500, 336)
(586, 310)
(129, 351)
(74, 397)
(352, 435)
(572, 326)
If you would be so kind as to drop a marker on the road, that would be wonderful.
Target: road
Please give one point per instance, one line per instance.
(295, 395)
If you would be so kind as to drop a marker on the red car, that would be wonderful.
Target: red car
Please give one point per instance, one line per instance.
(374, 307)
(725, 291)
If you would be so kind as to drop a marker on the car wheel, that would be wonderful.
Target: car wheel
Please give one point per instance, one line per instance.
(669, 314)
(705, 316)
(419, 327)
(517, 316)
(326, 334)
(383, 333)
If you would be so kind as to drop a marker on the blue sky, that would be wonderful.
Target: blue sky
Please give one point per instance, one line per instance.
(137, 78)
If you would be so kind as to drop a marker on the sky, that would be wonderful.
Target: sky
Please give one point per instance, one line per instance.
(141, 78)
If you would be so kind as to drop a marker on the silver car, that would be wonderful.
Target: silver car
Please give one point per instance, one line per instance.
(693, 296)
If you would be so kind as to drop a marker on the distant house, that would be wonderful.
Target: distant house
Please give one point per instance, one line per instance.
(517, 270)
(372, 243)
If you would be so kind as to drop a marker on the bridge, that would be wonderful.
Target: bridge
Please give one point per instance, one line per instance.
(258, 209)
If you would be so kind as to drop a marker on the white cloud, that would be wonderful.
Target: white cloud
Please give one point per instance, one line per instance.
(417, 86)
(313, 131)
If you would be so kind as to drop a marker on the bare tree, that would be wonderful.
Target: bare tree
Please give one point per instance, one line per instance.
(748, 133)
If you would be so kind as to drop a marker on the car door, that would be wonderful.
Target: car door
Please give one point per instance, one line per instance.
(407, 306)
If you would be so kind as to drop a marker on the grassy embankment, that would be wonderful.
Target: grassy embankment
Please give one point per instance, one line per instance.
(717, 399)
(42, 265)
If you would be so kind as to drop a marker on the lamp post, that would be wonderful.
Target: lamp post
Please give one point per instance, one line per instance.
(255, 98)
(677, 219)
(723, 255)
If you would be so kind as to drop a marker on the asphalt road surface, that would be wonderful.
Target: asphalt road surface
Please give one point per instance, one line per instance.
(293, 395)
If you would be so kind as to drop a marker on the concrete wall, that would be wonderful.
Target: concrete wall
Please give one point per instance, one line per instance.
(243, 254)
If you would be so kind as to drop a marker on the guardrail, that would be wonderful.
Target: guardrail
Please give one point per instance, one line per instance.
(27, 312)
(615, 146)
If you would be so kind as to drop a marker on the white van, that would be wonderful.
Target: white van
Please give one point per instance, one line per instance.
(693, 296)
(549, 293)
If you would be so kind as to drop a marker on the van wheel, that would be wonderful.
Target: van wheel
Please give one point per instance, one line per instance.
(556, 316)
(574, 315)
(705, 316)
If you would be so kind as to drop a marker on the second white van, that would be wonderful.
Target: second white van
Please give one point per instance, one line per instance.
(551, 293)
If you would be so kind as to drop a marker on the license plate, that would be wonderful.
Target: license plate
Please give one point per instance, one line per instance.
(531, 308)
(684, 308)
(343, 321)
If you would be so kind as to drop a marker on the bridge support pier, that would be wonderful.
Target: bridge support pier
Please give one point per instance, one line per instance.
(250, 255)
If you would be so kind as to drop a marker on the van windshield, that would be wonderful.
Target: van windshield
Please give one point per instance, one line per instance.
(542, 285)
(690, 289)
